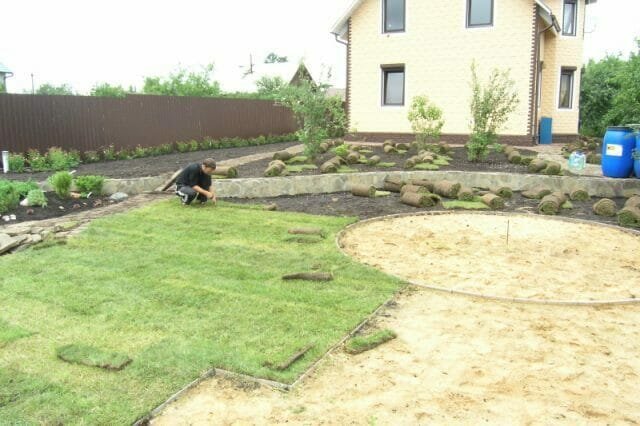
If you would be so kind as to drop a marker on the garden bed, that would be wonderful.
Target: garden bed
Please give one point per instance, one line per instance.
(57, 207)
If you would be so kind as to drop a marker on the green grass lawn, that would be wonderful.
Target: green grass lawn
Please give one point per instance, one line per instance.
(178, 290)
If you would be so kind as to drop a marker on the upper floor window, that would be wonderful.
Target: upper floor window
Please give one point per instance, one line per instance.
(393, 85)
(569, 18)
(393, 19)
(479, 13)
(566, 88)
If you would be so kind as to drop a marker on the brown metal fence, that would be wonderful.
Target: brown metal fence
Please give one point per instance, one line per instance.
(87, 123)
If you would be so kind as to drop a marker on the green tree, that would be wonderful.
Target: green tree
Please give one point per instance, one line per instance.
(3, 88)
(491, 105)
(272, 58)
(270, 87)
(625, 107)
(599, 86)
(107, 90)
(50, 89)
(317, 115)
(426, 120)
(184, 83)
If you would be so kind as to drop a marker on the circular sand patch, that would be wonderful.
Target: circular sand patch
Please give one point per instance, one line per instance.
(510, 256)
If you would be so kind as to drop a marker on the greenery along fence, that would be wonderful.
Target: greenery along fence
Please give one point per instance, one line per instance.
(85, 123)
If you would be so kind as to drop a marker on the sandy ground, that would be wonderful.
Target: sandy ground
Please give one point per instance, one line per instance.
(457, 360)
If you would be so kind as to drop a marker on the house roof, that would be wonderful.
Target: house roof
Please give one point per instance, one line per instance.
(4, 69)
(240, 81)
(340, 28)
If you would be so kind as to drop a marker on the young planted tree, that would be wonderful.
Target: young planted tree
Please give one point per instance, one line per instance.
(318, 117)
(491, 105)
(270, 87)
(426, 120)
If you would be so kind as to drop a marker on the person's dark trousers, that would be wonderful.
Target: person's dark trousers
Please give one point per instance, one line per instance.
(188, 194)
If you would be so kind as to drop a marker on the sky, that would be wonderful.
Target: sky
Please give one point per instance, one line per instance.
(83, 43)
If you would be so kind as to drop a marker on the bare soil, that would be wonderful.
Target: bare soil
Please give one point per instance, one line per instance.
(56, 207)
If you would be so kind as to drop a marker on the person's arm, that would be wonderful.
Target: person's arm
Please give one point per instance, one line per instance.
(209, 194)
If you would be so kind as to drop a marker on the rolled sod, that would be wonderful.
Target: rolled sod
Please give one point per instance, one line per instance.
(363, 190)
(309, 276)
(293, 358)
(394, 179)
(422, 182)
(352, 157)
(594, 158)
(93, 357)
(446, 188)
(230, 172)
(536, 193)
(276, 168)
(605, 207)
(323, 147)
(392, 186)
(579, 194)
(443, 148)
(388, 149)
(552, 203)
(525, 161)
(425, 157)
(329, 167)
(465, 194)
(514, 157)
(629, 216)
(417, 199)
(411, 162)
(403, 146)
(633, 201)
(282, 155)
(552, 168)
(360, 344)
(373, 160)
(503, 191)
(495, 202)
(414, 188)
(298, 159)
(536, 166)
(508, 150)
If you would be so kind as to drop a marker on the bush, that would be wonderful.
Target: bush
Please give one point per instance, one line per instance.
(108, 153)
(57, 159)
(140, 152)
(9, 197)
(490, 109)
(23, 188)
(426, 120)
(87, 184)
(37, 161)
(16, 163)
(91, 157)
(36, 197)
(341, 150)
(61, 183)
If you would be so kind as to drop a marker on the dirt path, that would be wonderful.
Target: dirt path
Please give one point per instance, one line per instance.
(457, 360)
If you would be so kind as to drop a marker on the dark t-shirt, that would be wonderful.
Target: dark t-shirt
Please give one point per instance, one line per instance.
(193, 175)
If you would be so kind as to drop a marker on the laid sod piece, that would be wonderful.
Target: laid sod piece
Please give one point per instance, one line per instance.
(282, 155)
(503, 191)
(309, 276)
(297, 168)
(605, 207)
(425, 157)
(514, 157)
(426, 166)
(414, 188)
(386, 165)
(352, 157)
(568, 205)
(276, 168)
(411, 162)
(93, 357)
(388, 149)
(475, 204)
(537, 166)
(307, 231)
(493, 201)
(594, 158)
(446, 188)
(227, 171)
(536, 193)
(360, 190)
(329, 167)
(441, 161)
(422, 182)
(579, 194)
(382, 194)
(9, 333)
(345, 169)
(375, 159)
(308, 239)
(360, 344)
(552, 168)
(465, 194)
(552, 203)
(293, 358)
(418, 199)
(298, 159)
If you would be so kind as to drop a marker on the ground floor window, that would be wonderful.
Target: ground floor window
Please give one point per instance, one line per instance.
(566, 88)
(393, 85)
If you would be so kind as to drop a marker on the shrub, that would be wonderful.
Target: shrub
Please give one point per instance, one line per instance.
(123, 154)
(91, 157)
(23, 188)
(108, 153)
(9, 197)
(140, 152)
(182, 146)
(57, 159)
(490, 109)
(36, 197)
(194, 145)
(341, 150)
(16, 163)
(61, 183)
(37, 161)
(426, 120)
(87, 184)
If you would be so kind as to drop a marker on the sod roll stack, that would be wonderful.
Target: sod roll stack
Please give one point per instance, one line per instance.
(536, 166)
(552, 203)
(276, 168)
(422, 182)
(446, 188)
(393, 184)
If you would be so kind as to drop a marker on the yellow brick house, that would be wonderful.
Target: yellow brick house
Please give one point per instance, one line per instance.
(398, 49)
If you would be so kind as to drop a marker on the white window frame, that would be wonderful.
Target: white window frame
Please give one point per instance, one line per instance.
(382, 69)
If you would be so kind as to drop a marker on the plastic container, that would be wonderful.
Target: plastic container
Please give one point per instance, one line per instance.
(577, 161)
(546, 134)
(617, 146)
(636, 161)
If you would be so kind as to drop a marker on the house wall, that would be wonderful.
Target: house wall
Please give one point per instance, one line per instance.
(556, 52)
(437, 51)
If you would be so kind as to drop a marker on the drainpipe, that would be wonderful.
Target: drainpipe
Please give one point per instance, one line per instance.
(535, 110)
(338, 40)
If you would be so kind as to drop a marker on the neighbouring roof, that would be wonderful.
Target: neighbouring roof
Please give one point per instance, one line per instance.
(239, 81)
(4, 69)
(340, 28)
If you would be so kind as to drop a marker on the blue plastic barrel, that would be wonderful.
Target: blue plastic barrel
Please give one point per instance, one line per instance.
(617, 145)
(636, 162)
(546, 135)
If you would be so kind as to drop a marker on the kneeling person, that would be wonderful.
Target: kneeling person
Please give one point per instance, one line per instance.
(195, 182)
